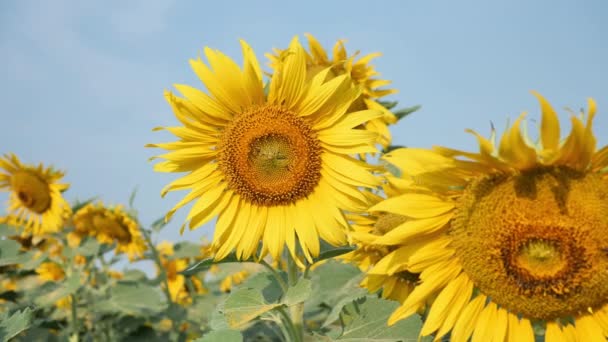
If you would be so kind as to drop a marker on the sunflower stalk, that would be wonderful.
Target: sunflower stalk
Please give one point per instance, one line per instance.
(74, 323)
(159, 265)
(296, 311)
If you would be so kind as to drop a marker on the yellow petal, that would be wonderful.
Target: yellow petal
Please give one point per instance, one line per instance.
(549, 125)
(414, 205)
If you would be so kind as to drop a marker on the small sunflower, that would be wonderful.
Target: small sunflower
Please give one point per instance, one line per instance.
(181, 292)
(275, 168)
(233, 279)
(50, 271)
(366, 229)
(35, 200)
(361, 73)
(512, 237)
(109, 225)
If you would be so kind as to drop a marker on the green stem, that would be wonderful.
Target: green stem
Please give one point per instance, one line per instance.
(159, 264)
(291, 334)
(74, 318)
(276, 275)
(296, 311)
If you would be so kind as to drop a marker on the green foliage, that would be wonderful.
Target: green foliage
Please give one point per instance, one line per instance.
(225, 335)
(134, 298)
(58, 290)
(13, 324)
(366, 321)
(10, 254)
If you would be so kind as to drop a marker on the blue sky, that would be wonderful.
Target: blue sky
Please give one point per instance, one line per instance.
(82, 81)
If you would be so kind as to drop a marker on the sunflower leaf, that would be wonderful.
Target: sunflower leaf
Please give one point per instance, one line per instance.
(366, 321)
(332, 252)
(298, 293)
(9, 253)
(401, 113)
(61, 290)
(133, 298)
(244, 305)
(225, 335)
(12, 325)
(205, 264)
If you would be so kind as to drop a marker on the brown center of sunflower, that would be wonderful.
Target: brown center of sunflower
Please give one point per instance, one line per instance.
(111, 227)
(536, 243)
(31, 191)
(270, 156)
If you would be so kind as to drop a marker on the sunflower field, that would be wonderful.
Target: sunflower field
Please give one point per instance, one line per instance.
(323, 229)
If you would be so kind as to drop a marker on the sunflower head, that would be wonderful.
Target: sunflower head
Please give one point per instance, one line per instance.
(50, 271)
(35, 199)
(110, 225)
(508, 237)
(361, 73)
(181, 288)
(265, 162)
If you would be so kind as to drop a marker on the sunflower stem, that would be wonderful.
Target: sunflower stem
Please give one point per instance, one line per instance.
(74, 322)
(276, 275)
(288, 329)
(296, 311)
(159, 265)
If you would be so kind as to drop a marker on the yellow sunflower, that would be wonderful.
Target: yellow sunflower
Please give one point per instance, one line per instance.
(109, 225)
(35, 200)
(361, 72)
(181, 292)
(366, 229)
(233, 279)
(276, 168)
(508, 238)
(50, 271)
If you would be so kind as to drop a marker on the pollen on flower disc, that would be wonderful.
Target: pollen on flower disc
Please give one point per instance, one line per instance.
(270, 156)
(536, 242)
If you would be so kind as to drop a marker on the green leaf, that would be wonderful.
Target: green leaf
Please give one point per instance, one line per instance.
(88, 247)
(388, 104)
(132, 197)
(186, 250)
(244, 305)
(367, 321)
(334, 285)
(205, 264)
(133, 298)
(332, 252)
(298, 293)
(11, 326)
(9, 253)
(225, 335)
(392, 148)
(79, 205)
(60, 290)
(401, 113)
(159, 224)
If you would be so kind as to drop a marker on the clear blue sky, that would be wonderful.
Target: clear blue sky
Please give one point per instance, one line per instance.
(81, 82)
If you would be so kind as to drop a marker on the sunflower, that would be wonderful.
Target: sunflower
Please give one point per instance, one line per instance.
(275, 168)
(50, 271)
(366, 229)
(233, 279)
(506, 239)
(361, 72)
(181, 292)
(109, 225)
(35, 200)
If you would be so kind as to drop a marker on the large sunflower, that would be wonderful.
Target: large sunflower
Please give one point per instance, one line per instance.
(108, 225)
(508, 238)
(361, 72)
(35, 200)
(275, 167)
